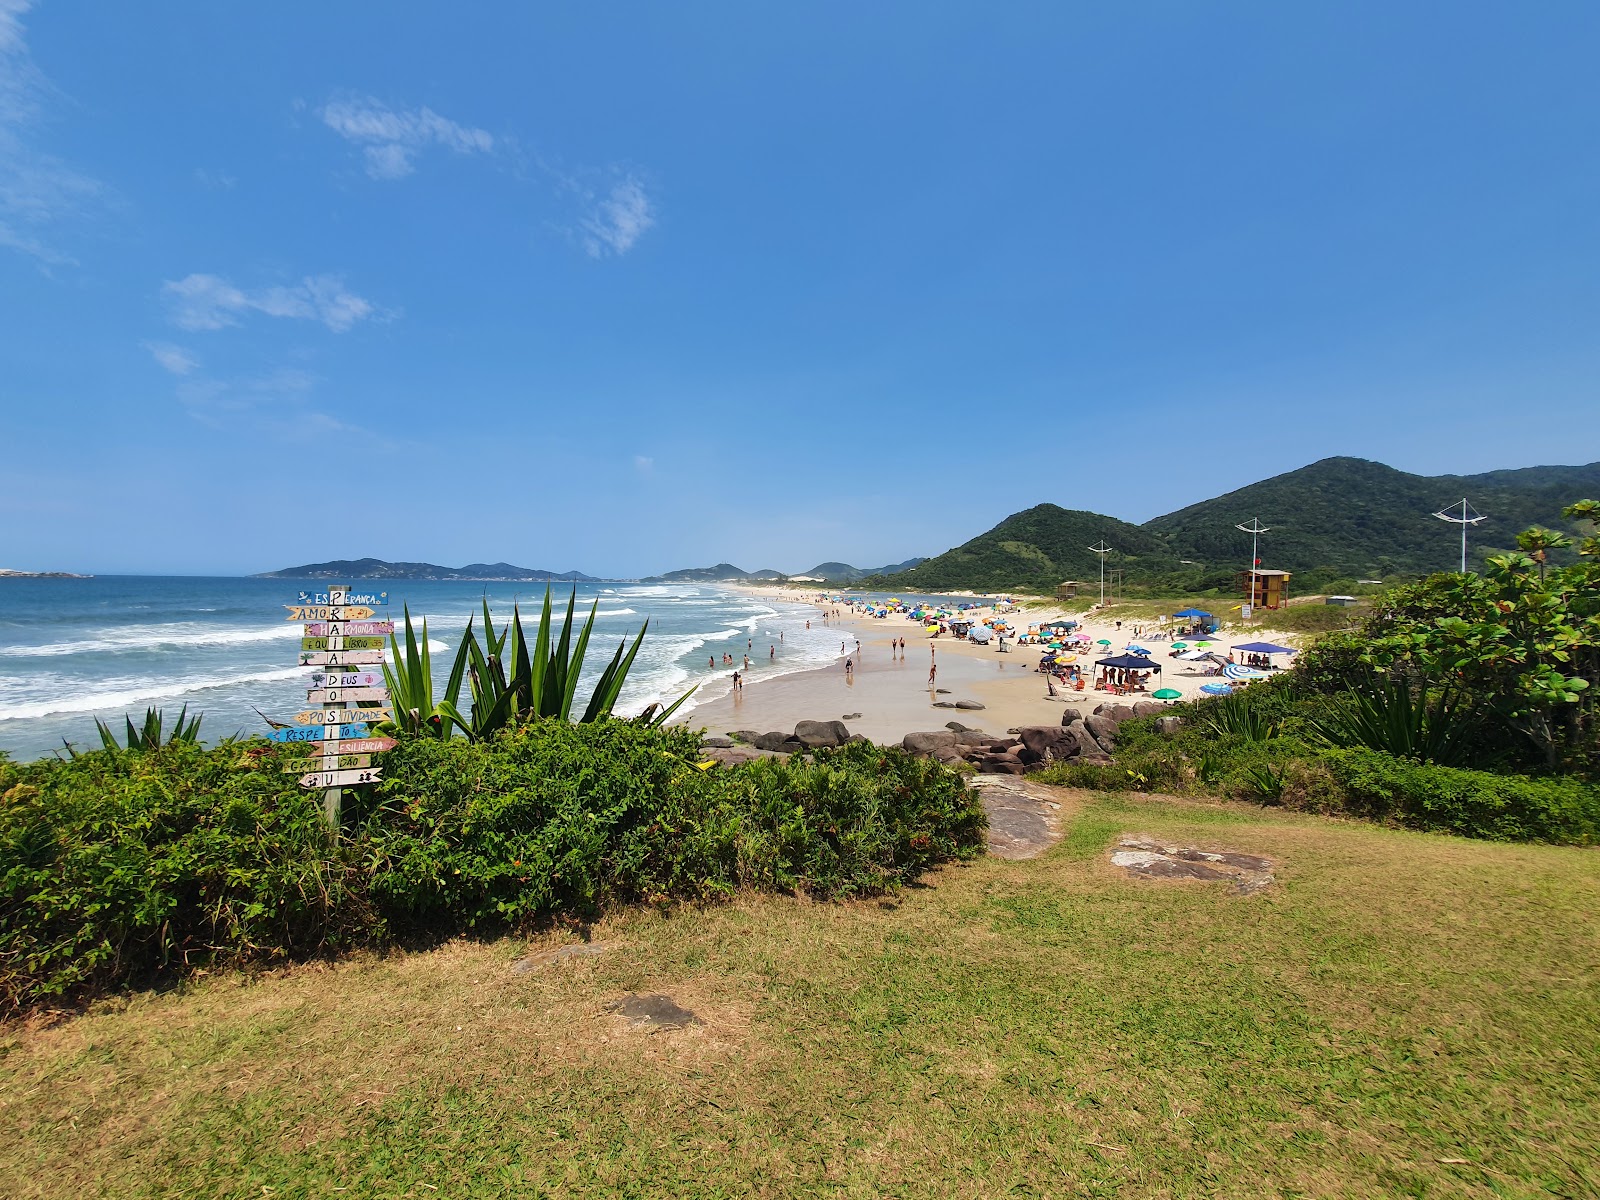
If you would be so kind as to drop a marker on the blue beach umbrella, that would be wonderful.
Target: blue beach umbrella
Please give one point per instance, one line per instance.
(1215, 689)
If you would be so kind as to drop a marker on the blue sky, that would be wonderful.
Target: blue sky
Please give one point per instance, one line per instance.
(624, 288)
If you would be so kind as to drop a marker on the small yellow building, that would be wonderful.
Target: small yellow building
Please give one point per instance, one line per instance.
(1264, 589)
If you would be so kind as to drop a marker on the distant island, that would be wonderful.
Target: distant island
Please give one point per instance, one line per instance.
(377, 568)
(6, 573)
(828, 572)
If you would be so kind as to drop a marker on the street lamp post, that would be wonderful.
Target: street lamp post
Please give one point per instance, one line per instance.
(1102, 550)
(1255, 529)
(1449, 514)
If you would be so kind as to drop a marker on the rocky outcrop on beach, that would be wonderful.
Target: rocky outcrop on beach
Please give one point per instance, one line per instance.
(1079, 738)
(1088, 738)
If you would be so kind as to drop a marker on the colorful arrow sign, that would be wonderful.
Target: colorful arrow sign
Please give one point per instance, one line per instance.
(327, 612)
(349, 598)
(347, 679)
(340, 716)
(333, 779)
(345, 643)
(340, 658)
(347, 628)
(365, 745)
(316, 733)
(355, 695)
(343, 762)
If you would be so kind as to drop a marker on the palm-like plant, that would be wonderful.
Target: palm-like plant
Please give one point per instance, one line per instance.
(511, 681)
(149, 735)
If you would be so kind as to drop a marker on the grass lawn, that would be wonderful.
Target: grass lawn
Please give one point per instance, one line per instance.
(1400, 1015)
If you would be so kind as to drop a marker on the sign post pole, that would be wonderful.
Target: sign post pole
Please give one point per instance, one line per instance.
(338, 637)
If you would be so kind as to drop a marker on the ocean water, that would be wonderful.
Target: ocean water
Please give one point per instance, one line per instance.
(72, 650)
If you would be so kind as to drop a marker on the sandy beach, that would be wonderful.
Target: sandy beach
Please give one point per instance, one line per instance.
(892, 695)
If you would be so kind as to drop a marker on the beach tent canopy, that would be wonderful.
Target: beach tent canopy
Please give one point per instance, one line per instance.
(980, 633)
(1191, 612)
(1265, 648)
(1128, 662)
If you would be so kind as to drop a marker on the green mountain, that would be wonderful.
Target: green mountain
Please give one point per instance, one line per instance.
(1362, 518)
(1034, 551)
(838, 572)
(1340, 518)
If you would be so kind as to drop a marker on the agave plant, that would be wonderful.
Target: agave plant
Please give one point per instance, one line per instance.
(1388, 716)
(148, 736)
(1235, 716)
(511, 682)
(409, 677)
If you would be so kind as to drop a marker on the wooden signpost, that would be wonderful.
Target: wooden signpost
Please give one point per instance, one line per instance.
(328, 612)
(338, 636)
(341, 658)
(355, 628)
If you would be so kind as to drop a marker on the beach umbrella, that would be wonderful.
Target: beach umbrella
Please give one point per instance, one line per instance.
(1103, 642)
(1215, 689)
(1167, 694)
(1132, 648)
(1180, 645)
(1235, 671)
(1066, 658)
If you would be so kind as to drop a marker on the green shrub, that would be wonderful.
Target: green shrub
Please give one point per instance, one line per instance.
(1472, 803)
(121, 868)
(116, 867)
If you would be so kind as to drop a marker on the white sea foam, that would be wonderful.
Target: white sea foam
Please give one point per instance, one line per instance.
(123, 693)
(152, 637)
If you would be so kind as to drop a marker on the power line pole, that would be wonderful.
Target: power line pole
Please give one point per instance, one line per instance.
(1449, 514)
(1255, 529)
(1102, 550)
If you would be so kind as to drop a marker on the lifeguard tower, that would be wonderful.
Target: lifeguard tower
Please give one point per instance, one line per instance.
(1068, 590)
(1264, 589)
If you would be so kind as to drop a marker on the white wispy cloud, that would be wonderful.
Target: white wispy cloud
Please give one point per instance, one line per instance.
(202, 301)
(172, 358)
(391, 139)
(643, 464)
(37, 190)
(617, 220)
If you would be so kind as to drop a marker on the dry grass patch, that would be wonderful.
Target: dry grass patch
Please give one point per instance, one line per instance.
(1048, 1027)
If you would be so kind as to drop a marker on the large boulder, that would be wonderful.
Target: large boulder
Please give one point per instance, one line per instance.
(972, 705)
(1169, 726)
(716, 743)
(944, 703)
(770, 741)
(927, 743)
(1089, 750)
(1046, 743)
(1104, 730)
(972, 737)
(955, 727)
(1147, 708)
(1071, 715)
(816, 735)
(747, 736)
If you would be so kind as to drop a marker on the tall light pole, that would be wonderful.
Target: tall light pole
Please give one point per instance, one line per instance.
(1449, 514)
(1102, 550)
(1255, 529)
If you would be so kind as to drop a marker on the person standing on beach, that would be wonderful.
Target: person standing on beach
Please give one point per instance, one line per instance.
(712, 662)
(772, 653)
(849, 670)
(933, 673)
(738, 682)
(746, 662)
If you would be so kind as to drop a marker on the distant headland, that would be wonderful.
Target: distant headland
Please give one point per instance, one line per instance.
(5, 573)
(377, 568)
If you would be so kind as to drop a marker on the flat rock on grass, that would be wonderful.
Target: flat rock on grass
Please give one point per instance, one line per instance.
(1144, 856)
(545, 958)
(652, 1012)
(1024, 821)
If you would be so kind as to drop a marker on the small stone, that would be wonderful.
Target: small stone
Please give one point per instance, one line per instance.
(652, 1012)
(545, 958)
(955, 727)
(942, 691)
(717, 743)
(971, 705)
(851, 717)
(944, 704)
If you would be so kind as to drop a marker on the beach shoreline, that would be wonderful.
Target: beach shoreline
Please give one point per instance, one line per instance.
(886, 696)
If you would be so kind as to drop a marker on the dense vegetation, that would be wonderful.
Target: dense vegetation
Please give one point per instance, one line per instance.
(1332, 522)
(1465, 703)
(129, 866)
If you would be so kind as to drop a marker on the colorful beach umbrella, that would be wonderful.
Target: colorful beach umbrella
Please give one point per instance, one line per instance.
(1167, 694)
(1215, 689)
(1103, 642)
(1180, 645)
